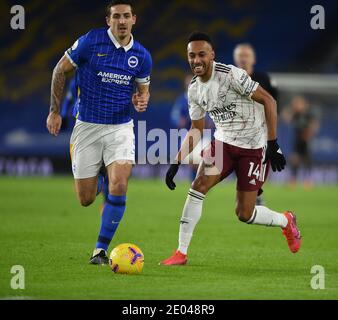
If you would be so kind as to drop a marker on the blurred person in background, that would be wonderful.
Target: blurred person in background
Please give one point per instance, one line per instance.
(244, 56)
(180, 119)
(305, 123)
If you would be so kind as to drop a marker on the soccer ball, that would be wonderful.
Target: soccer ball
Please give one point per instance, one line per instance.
(126, 258)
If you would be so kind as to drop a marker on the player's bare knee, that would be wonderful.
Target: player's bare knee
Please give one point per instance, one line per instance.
(118, 186)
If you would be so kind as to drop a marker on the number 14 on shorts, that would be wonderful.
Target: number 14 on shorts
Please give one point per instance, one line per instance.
(257, 171)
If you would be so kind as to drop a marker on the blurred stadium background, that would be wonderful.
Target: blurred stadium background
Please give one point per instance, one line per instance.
(38, 215)
(300, 60)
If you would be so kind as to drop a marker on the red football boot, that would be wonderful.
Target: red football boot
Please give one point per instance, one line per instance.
(291, 232)
(177, 259)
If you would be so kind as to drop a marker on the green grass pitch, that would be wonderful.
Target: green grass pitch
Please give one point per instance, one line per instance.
(44, 229)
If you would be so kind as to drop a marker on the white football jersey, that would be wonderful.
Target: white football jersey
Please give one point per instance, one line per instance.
(226, 96)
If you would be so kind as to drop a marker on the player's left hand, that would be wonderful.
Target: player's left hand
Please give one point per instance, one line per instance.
(275, 155)
(140, 101)
(53, 123)
(171, 173)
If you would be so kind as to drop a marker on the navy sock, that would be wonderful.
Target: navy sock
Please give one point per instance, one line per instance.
(111, 216)
(100, 183)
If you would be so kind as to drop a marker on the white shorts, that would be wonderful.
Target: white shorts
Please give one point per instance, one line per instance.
(92, 143)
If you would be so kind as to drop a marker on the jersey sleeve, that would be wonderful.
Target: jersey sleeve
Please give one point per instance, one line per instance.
(195, 111)
(242, 83)
(78, 53)
(143, 77)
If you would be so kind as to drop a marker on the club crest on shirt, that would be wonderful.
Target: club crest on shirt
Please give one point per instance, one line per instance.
(133, 62)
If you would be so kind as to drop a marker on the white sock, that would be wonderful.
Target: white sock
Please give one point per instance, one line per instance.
(192, 212)
(264, 216)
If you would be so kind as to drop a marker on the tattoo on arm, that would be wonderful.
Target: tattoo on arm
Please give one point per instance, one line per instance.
(58, 83)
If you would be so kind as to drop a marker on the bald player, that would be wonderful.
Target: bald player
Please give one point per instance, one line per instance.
(245, 58)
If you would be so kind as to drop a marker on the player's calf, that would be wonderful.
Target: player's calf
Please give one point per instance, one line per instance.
(204, 183)
(112, 214)
(200, 184)
(244, 213)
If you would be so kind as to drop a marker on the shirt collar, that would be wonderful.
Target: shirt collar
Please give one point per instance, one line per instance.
(117, 45)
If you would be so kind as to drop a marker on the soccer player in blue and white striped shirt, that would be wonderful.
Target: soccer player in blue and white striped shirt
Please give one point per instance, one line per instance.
(108, 62)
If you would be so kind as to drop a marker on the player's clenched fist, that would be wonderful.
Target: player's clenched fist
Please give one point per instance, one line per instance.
(140, 101)
(275, 156)
(53, 124)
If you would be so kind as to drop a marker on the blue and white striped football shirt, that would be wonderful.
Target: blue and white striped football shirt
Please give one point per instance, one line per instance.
(106, 73)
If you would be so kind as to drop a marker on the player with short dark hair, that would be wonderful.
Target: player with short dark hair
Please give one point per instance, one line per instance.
(108, 62)
(245, 116)
(114, 3)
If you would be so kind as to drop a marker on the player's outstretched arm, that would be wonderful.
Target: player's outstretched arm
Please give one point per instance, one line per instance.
(273, 152)
(54, 119)
(189, 143)
(140, 99)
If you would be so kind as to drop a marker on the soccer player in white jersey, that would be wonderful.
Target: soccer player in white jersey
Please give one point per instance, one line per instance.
(245, 142)
(108, 62)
